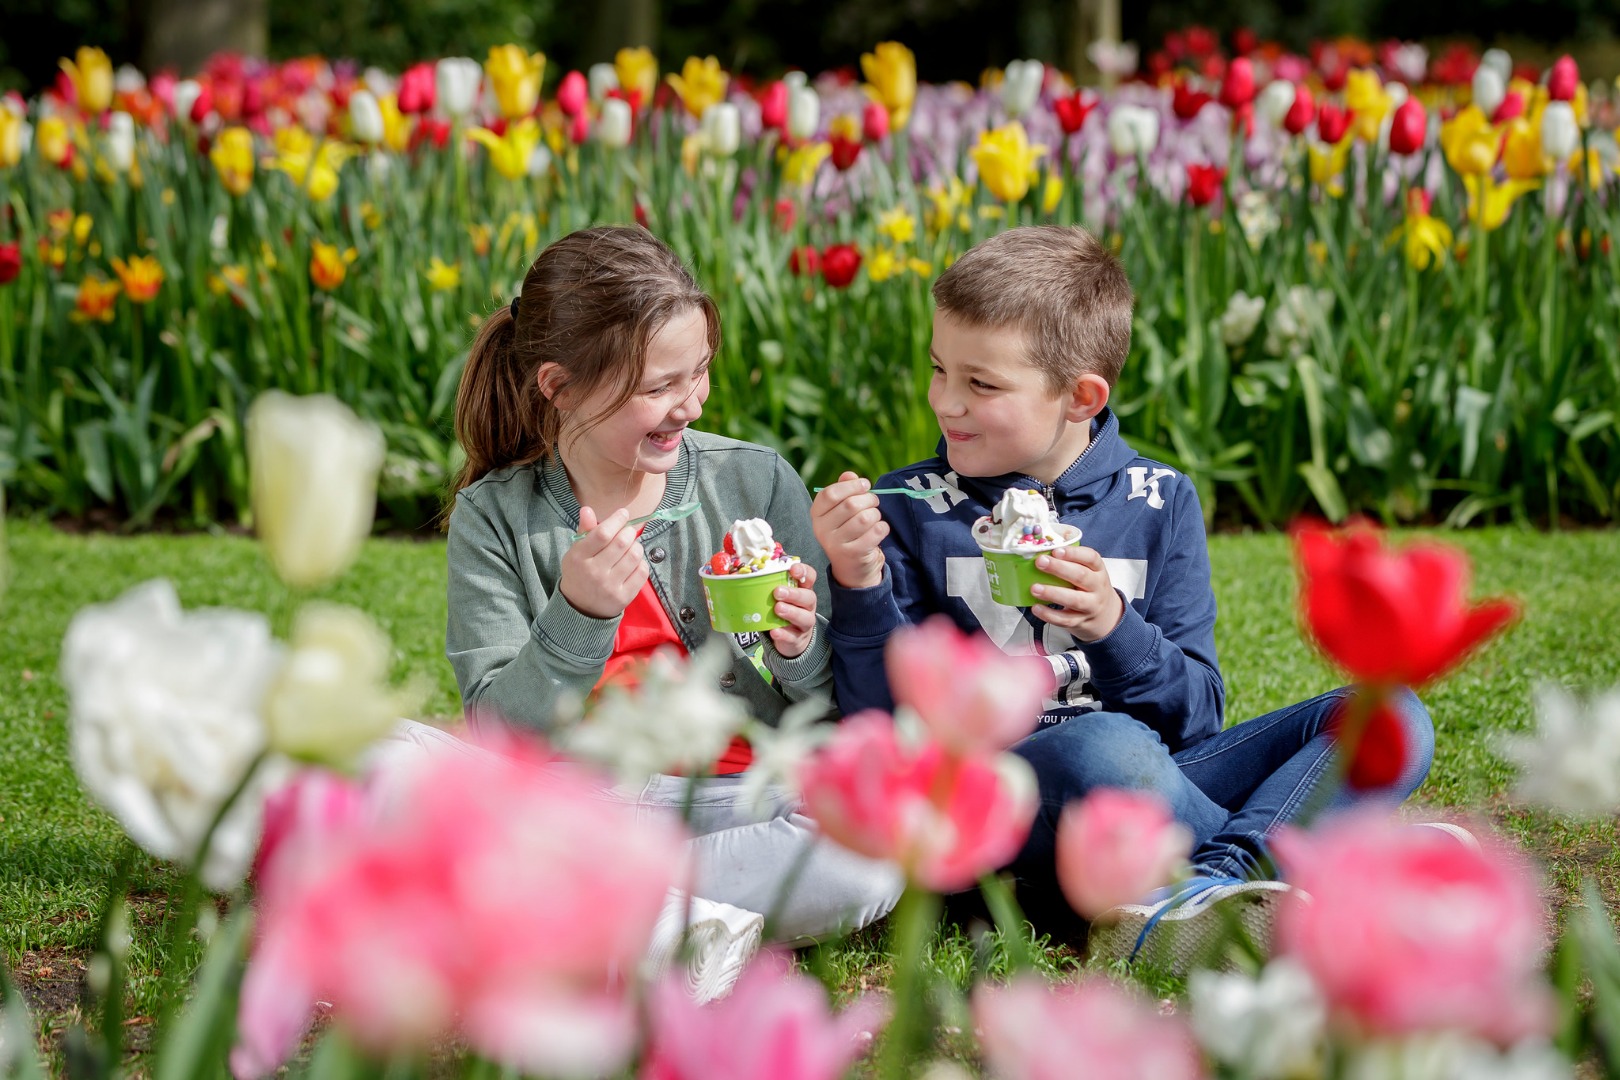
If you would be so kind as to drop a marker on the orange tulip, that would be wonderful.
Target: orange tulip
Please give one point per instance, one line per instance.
(96, 298)
(142, 276)
(328, 266)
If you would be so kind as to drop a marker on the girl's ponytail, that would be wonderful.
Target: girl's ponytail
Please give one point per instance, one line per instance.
(499, 407)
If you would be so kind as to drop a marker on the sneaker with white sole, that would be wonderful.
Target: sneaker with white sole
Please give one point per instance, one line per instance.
(720, 939)
(1456, 832)
(1188, 926)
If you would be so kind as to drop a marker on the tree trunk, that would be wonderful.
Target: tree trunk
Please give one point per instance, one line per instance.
(1095, 20)
(182, 34)
(621, 23)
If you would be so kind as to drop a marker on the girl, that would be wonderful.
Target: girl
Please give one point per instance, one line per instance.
(575, 412)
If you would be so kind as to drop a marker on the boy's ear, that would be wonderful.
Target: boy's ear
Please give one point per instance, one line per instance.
(552, 378)
(1089, 396)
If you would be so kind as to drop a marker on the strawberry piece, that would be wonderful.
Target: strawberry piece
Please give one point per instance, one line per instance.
(729, 544)
(719, 564)
(777, 552)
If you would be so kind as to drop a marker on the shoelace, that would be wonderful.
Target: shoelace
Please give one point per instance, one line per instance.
(1185, 893)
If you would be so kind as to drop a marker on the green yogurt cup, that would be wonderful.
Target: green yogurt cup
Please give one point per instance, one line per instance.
(741, 603)
(1011, 573)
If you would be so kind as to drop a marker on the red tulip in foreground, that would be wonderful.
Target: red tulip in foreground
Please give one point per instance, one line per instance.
(1114, 847)
(1410, 930)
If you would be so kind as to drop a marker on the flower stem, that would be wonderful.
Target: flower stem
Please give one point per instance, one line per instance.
(913, 921)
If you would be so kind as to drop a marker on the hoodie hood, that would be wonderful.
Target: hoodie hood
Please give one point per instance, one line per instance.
(1086, 482)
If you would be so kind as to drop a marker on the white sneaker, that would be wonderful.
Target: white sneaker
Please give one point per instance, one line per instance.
(720, 940)
(1185, 928)
(1456, 832)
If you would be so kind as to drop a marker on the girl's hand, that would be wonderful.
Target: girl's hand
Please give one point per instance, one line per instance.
(798, 607)
(604, 569)
(1090, 607)
(850, 527)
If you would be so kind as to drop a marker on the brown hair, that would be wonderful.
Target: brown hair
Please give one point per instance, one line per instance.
(1060, 286)
(590, 303)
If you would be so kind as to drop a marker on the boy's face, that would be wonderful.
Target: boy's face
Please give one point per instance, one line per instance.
(994, 407)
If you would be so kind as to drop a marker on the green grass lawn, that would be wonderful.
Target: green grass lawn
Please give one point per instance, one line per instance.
(56, 849)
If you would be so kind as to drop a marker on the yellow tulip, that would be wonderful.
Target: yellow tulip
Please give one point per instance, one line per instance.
(142, 277)
(1489, 201)
(443, 276)
(515, 74)
(54, 140)
(638, 72)
(1053, 194)
(898, 225)
(1522, 155)
(11, 129)
(510, 153)
(1427, 237)
(883, 264)
(232, 155)
(328, 266)
(1364, 94)
(313, 167)
(1006, 161)
(95, 299)
(396, 125)
(803, 161)
(700, 84)
(92, 76)
(920, 267)
(1327, 164)
(891, 80)
(1470, 142)
(945, 204)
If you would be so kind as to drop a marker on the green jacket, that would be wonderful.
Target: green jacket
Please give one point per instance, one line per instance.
(519, 648)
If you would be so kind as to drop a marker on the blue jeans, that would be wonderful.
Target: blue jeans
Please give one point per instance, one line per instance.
(1232, 790)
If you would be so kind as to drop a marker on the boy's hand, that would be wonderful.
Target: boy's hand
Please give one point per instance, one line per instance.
(1090, 607)
(605, 568)
(849, 527)
(798, 607)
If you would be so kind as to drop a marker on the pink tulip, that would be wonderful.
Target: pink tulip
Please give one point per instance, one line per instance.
(972, 696)
(1114, 847)
(773, 106)
(945, 819)
(874, 122)
(494, 899)
(775, 1024)
(1563, 79)
(572, 93)
(313, 808)
(1030, 1031)
(418, 88)
(1410, 930)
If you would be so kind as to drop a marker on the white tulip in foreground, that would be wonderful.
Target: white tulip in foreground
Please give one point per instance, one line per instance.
(164, 720)
(314, 468)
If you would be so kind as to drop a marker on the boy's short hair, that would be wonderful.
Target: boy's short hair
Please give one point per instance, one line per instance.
(1060, 286)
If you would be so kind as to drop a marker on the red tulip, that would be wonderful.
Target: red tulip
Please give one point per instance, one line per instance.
(1238, 89)
(10, 262)
(1204, 183)
(773, 106)
(1334, 78)
(1175, 43)
(1301, 112)
(786, 214)
(839, 262)
(572, 93)
(1073, 110)
(845, 151)
(1563, 79)
(805, 261)
(204, 103)
(1332, 122)
(1378, 749)
(431, 130)
(1511, 108)
(579, 128)
(1244, 41)
(1186, 102)
(1201, 41)
(417, 89)
(1408, 127)
(875, 122)
(641, 215)
(1390, 617)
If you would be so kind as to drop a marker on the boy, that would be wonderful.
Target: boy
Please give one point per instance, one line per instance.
(1031, 328)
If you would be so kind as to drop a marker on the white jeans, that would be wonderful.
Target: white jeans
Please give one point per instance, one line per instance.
(768, 859)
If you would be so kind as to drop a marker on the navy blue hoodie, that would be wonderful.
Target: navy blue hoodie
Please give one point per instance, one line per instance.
(1158, 665)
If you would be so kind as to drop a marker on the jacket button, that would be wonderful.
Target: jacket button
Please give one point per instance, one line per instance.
(728, 680)
(687, 614)
(656, 555)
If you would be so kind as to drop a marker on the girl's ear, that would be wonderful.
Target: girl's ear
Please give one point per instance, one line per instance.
(1088, 398)
(552, 379)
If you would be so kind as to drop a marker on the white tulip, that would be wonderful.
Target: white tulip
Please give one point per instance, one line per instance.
(378, 166)
(796, 79)
(1489, 90)
(164, 719)
(186, 93)
(539, 160)
(1267, 1027)
(1560, 134)
(365, 117)
(1410, 62)
(614, 124)
(1021, 85)
(313, 467)
(1498, 61)
(128, 79)
(378, 81)
(1272, 106)
(456, 79)
(1572, 763)
(330, 699)
(804, 111)
(1133, 130)
(120, 141)
(1241, 317)
(602, 78)
(722, 129)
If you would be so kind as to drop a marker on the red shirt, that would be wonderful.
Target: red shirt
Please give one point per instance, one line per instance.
(644, 629)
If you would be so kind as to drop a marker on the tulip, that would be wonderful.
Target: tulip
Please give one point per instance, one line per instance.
(1408, 127)
(1114, 847)
(638, 74)
(55, 141)
(1237, 90)
(1512, 107)
(120, 141)
(700, 84)
(1021, 86)
(1469, 142)
(613, 127)
(874, 122)
(328, 266)
(330, 700)
(1301, 112)
(1204, 183)
(1073, 110)
(1006, 161)
(572, 93)
(891, 80)
(509, 153)
(187, 93)
(313, 168)
(1376, 738)
(1560, 133)
(95, 299)
(773, 107)
(416, 89)
(602, 79)
(313, 467)
(839, 263)
(232, 157)
(1366, 98)
(1490, 202)
(1186, 102)
(1562, 80)
(365, 117)
(10, 262)
(1498, 61)
(1522, 155)
(844, 136)
(1427, 239)
(803, 261)
(1489, 89)
(803, 161)
(457, 79)
(804, 112)
(91, 74)
(972, 697)
(579, 128)
(141, 277)
(515, 75)
(722, 129)
(1332, 123)
(1033, 1030)
(1273, 103)
(442, 276)
(1133, 131)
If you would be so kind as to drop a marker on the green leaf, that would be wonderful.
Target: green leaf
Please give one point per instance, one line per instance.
(194, 1044)
(1324, 486)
